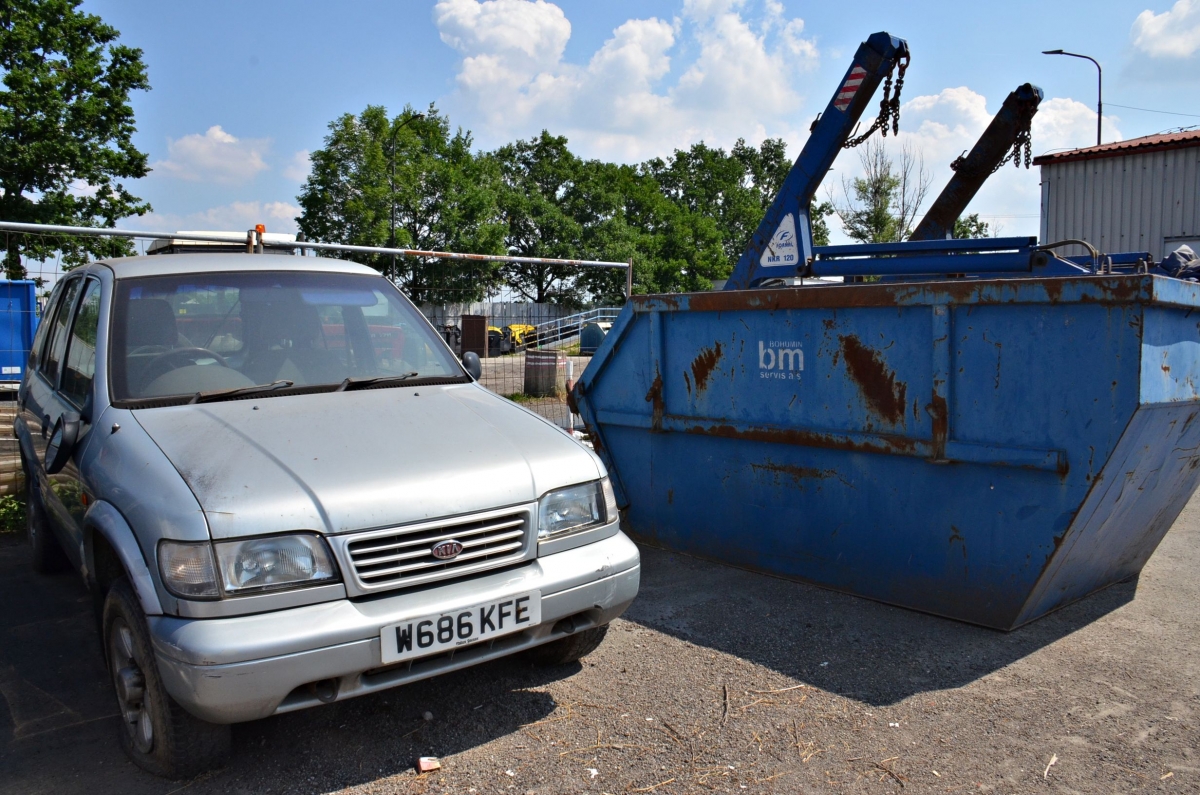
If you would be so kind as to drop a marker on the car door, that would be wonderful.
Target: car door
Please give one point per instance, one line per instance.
(75, 395)
(42, 407)
(32, 378)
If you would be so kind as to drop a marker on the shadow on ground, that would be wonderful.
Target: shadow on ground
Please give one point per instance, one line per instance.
(872, 652)
(60, 735)
(60, 731)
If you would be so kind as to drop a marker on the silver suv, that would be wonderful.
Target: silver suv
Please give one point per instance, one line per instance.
(284, 490)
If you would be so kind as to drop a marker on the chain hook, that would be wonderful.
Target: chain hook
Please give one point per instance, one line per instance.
(889, 106)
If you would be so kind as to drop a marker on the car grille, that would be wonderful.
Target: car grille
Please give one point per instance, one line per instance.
(405, 556)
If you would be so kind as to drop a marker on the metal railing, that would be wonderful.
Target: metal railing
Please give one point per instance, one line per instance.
(255, 243)
(554, 333)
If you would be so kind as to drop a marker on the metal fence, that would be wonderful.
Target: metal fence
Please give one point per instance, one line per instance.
(529, 351)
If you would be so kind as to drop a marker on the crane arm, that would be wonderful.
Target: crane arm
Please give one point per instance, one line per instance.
(782, 244)
(1002, 139)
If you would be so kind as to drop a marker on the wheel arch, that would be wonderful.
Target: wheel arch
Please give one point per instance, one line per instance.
(111, 550)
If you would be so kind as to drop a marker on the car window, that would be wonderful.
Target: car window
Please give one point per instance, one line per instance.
(80, 366)
(39, 339)
(180, 335)
(58, 332)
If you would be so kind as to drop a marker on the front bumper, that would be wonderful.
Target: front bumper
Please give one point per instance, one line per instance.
(243, 668)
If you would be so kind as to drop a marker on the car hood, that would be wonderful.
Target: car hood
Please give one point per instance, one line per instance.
(342, 461)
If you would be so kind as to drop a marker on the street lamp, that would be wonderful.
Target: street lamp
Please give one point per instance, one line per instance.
(392, 185)
(1099, 84)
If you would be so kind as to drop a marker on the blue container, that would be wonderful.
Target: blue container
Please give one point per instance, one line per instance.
(18, 323)
(987, 450)
(592, 335)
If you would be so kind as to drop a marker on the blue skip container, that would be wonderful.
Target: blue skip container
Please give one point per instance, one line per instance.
(987, 450)
(18, 324)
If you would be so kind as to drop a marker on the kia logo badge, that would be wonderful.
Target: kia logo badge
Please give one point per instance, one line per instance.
(447, 550)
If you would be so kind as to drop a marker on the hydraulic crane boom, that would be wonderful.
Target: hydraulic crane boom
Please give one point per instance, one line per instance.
(1004, 138)
(782, 244)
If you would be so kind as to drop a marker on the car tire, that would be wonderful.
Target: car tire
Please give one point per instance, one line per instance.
(157, 734)
(569, 649)
(48, 556)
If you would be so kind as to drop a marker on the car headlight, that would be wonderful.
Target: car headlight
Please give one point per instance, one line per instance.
(245, 565)
(576, 508)
(257, 564)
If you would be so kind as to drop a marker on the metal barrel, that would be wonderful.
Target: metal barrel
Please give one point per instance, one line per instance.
(986, 450)
(543, 369)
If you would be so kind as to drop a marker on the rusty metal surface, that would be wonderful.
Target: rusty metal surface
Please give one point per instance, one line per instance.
(986, 450)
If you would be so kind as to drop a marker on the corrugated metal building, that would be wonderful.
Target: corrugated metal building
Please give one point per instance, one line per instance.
(1137, 195)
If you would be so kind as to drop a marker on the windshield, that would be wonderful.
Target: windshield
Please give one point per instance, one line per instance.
(202, 333)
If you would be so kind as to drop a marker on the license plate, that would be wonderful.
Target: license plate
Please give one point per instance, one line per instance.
(432, 634)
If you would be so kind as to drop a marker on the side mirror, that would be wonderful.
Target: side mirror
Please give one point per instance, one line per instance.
(62, 442)
(471, 363)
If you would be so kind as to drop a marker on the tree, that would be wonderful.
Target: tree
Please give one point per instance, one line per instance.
(970, 227)
(882, 205)
(445, 199)
(598, 203)
(817, 213)
(66, 128)
(538, 178)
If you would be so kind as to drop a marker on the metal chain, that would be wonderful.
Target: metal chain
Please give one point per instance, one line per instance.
(889, 106)
(1022, 148)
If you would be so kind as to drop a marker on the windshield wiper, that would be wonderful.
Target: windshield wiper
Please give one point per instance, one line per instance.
(208, 397)
(359, 383)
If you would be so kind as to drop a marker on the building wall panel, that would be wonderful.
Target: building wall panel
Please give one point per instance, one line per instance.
(1125, 203)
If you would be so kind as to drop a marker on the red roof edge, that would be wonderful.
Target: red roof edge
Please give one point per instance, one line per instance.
(1148, 143)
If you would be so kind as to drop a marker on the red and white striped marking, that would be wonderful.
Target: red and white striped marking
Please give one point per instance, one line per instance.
(849, 88)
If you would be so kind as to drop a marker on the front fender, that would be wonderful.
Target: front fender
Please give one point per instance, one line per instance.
(103, 519)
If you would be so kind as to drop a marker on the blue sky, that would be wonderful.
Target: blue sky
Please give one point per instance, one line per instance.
(242, 91)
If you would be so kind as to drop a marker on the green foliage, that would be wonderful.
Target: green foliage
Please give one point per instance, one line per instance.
(12, 514)
(520, 397)
(684, 220)
(445, 199)
(65, 120)
(882, 205)
(818, 212)
(971, 227)
(538, 197)
(723, 195)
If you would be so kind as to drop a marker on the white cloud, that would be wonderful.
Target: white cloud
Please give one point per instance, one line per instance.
(1171, 34)
(1063, 123)
(214, 156)
(298, 167)
(505, 41)
(277, 216)
(629, 101)
(722, 69)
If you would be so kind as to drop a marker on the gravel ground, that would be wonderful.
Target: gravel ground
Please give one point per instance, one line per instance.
(717, 679)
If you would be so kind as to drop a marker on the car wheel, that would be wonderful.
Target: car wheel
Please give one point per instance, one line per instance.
(158, 735)
(569, 649)
(48, 556)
